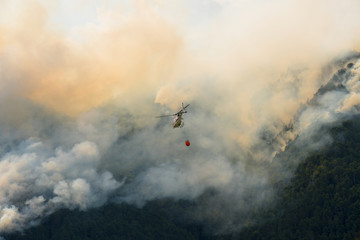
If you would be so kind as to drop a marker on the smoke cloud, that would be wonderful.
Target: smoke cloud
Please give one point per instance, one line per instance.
(78, 99)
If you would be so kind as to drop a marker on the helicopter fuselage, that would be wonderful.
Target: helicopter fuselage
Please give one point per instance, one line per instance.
(177, 120)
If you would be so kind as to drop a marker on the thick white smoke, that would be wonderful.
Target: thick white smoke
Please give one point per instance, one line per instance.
(77, 103)
(36, 180)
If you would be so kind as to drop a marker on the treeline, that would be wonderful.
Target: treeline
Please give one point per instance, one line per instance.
(114, 221)
(322, 201)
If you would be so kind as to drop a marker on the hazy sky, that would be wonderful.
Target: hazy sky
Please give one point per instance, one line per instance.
(81, 82)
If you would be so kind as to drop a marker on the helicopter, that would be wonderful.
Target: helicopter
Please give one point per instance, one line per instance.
(177, 123)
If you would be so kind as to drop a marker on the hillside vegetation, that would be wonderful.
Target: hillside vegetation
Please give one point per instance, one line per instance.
(322, 201)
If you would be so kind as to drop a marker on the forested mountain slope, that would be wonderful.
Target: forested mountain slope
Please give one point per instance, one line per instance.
(322, 201)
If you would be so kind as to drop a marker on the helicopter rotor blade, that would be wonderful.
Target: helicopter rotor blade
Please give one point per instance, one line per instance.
(179, 112)
(164, 116)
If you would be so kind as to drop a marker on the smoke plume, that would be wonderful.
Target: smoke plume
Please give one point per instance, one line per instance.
(79, 96)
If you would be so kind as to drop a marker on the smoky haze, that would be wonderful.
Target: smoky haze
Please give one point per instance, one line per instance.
(78, 103)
